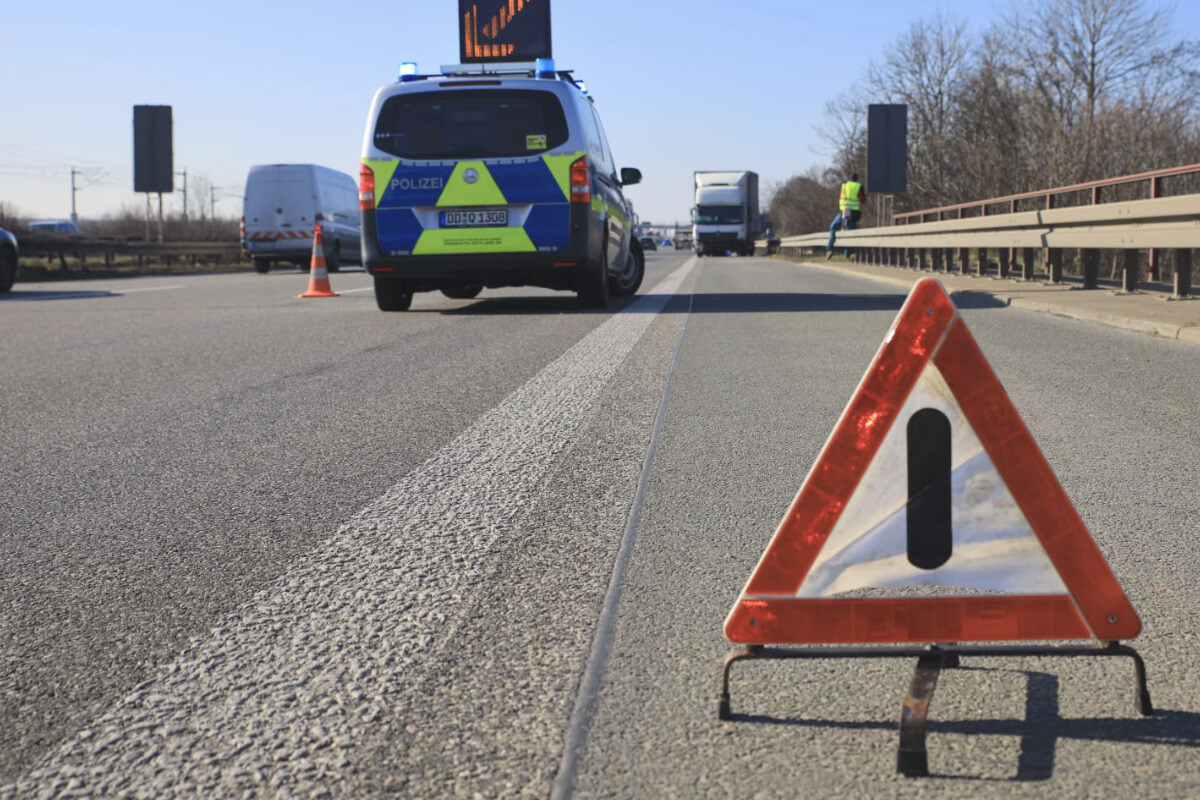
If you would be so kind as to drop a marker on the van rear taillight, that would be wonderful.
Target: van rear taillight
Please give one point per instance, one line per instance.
(581, 186)
(366, 188)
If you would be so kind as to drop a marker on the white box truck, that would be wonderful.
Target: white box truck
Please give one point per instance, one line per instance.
(282, 205)
(725, 216)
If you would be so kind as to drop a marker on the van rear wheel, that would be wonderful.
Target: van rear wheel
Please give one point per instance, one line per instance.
(392, 295)
(333, 261)
(630, 279)
(262, 265)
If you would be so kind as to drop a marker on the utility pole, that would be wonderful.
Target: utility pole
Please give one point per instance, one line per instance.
(184, 174)
(212, 202)
(74, 216)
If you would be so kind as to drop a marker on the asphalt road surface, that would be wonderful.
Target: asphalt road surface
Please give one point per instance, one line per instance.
(258, 546)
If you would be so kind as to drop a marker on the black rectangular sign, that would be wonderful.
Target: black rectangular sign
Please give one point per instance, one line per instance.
(887, 149)
(503, 30)
(153, 156)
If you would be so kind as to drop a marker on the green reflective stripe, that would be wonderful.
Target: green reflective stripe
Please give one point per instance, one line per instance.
(560, 168)
(443, 241)
(384, 169)
(616, 212)
(598, 205)
(483, 192)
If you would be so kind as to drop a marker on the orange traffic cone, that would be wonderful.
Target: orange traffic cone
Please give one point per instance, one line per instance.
(318, 281)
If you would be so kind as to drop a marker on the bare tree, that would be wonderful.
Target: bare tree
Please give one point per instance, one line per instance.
(1075, 59)
(803, 203)
(927, 69)
(198, 195)
(844, 128)
(1058, 92)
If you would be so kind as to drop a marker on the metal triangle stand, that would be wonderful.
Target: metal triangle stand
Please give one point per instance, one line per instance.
(911, 757)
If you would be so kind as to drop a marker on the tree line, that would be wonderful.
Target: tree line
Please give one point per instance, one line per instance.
(1055, 93)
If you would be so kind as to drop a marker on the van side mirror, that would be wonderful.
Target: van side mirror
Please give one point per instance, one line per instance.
(630, 176)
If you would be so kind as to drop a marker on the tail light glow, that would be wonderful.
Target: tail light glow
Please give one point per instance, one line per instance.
(581, 186)
(366, 188)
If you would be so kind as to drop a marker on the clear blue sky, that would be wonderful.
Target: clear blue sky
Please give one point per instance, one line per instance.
(680, 86)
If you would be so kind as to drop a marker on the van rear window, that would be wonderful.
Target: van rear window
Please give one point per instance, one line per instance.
(471, 124)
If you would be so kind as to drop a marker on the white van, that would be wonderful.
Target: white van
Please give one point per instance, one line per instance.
(282, 205)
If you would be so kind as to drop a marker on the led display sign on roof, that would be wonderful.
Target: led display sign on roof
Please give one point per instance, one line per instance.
(503, 30)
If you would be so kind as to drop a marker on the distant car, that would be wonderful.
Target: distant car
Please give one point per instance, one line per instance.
(648, 243)
(8, 260)
(44, 227)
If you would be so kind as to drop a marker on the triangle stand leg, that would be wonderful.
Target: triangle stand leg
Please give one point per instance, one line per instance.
(911, 758)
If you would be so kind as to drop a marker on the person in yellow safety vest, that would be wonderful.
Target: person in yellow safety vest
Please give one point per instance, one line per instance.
(851, 198)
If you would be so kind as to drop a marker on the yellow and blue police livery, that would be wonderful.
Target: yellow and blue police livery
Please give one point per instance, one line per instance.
(481, 178)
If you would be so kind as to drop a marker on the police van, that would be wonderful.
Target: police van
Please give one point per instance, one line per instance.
(493, 176)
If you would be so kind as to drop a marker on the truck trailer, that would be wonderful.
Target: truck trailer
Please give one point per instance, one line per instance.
(725, 217)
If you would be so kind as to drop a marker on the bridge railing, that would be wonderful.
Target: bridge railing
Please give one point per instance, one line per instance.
(954, 237)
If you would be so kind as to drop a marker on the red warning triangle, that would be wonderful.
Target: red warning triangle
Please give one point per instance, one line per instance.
(930, 515)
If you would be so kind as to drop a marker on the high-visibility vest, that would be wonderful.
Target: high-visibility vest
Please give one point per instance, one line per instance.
(848, 201)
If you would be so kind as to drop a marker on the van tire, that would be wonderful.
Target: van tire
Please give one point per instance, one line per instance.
(593, 283)
(463, 292)
(392, 295)
(628, 282)
(262, 265)
(333, 261)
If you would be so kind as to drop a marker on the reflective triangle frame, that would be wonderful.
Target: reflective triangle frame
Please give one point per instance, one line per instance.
(929, 328)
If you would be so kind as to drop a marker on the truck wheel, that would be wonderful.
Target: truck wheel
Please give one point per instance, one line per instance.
(463, 292)
(262, 265)
(8, 269)
(593, 283)
(333, 261)
(392, 295)
(630, 279)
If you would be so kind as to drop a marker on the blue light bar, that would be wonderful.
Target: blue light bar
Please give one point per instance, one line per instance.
(581, 85)
(408, 71)
(544, 67)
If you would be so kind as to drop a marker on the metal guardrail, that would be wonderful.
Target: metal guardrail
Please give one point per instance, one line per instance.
(1151, 183)
(113, 247)
(1170, 223)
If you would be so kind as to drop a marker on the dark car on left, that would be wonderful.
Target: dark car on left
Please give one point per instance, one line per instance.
(9, 252)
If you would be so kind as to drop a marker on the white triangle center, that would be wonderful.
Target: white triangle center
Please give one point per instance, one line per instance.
(993, 547)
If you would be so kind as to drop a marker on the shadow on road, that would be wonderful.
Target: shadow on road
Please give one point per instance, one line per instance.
(1039, 732)
(20, 295)
(720, 303)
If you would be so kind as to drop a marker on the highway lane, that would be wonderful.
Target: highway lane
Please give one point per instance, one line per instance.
(196, 453)
(174, 450)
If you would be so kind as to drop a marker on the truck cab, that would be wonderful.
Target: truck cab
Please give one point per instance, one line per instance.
(725, 216)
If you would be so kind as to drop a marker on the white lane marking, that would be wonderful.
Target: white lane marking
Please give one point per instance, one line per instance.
(150, 289)
(276, 697)
(364, 289)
